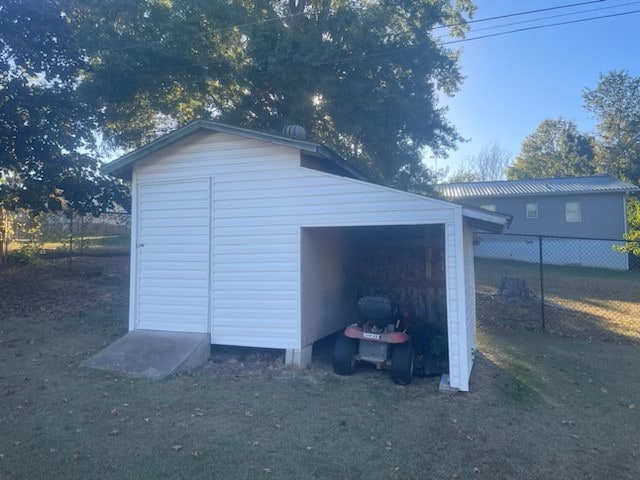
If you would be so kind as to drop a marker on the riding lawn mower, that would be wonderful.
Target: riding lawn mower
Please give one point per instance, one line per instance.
(378, 337)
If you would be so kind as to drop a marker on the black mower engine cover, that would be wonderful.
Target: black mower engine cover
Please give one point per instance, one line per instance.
(377, 311)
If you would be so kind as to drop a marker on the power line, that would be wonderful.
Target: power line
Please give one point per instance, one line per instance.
(447, 25)
(539, 10)
(496, 34)
(517, 14)
(353, 59)
(548, 17)
(480, 37)
(537, 27)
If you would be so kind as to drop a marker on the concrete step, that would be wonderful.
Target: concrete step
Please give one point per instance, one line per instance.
(153, 354)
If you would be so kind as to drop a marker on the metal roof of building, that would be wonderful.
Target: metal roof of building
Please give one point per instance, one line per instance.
(543, 186)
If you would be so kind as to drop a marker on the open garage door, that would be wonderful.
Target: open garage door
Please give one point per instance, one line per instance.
(402, 262)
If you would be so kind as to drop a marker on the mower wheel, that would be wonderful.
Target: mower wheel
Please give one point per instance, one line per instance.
(402, 363)
(344, 355)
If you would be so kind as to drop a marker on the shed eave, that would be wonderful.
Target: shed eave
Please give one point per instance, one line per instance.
(486, 220)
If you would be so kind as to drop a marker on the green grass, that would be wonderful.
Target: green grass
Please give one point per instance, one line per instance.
(541, 406)
(119, 242)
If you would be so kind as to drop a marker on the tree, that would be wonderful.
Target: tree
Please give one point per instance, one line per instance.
(633, 225)
(555, 149)
(361, 77)
(615, 103)
(464, 175)
(43, 123)
(490, 163)
(418, 179)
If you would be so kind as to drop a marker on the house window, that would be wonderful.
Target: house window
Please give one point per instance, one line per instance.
(573, 212)
(532, 210)
(491, 208)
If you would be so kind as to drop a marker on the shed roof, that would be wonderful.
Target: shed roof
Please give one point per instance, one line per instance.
(122, 166)
(535, 187)
(495, 222)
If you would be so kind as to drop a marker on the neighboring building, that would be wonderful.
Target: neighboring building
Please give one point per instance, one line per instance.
(250, 238)
(585, 208)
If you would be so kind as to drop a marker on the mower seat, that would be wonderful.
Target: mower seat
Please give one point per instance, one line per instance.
(375, 311)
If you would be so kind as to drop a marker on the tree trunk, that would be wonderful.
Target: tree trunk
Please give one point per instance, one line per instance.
(4, 235)
(70, 237)
(81, 235)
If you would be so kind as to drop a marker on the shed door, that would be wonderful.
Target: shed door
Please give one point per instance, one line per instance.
(173, 267)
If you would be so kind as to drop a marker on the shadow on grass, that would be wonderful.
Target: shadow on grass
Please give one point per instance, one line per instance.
(549, 371)
(582, 302)
(574, 283)
(496, 311)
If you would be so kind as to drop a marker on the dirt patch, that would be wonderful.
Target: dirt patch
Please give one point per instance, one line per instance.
(54, 288)
(233, 360)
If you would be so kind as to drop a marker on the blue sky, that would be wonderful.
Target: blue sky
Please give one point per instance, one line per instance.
(515, 81)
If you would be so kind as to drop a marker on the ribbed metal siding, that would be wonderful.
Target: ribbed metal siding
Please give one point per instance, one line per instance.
(548, 186)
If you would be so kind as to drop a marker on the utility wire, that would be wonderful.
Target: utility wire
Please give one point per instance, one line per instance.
(480, 37)
(448, 25)
(509, 15)
(353, 59)
(549, 17)
(537, 27)
(497, 34)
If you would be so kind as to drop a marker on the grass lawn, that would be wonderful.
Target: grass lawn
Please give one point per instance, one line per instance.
(541, 406)
(592, 303)
(91, 244)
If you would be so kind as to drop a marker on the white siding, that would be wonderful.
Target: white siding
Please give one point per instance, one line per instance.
(173, 254)
(470, 293)
(262, 198)
(455, 305)
(324, 309)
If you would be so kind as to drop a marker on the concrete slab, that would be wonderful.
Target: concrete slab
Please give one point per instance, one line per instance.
(153, 354)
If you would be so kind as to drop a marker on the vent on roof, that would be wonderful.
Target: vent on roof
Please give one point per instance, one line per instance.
(296, 132)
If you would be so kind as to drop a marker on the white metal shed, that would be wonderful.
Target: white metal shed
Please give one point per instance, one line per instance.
(241, 235)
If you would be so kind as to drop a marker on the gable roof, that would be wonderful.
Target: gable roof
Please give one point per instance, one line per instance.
(535, 187)
(122, 167)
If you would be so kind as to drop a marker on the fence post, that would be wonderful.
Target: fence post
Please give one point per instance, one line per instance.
(4, 234)
(541, 283)
(70, 237)
(82, 235)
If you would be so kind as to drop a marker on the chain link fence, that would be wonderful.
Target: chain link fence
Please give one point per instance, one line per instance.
(578, 287)
(57, 227)
(62, 233)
